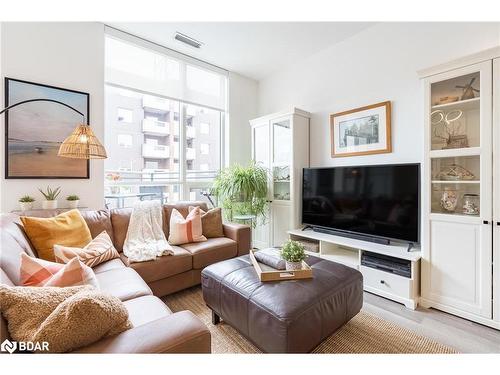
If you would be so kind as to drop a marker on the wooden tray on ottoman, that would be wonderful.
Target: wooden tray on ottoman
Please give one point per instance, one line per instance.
(267, 273)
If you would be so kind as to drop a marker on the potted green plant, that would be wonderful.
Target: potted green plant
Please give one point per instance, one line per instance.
(26, 202)
(293, 253)
(50, 196)
(242, 190)
(73, 200)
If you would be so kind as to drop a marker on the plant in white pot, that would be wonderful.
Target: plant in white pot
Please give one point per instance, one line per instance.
(50, 196)
(26, 202)
(73, 201)
(293, 253)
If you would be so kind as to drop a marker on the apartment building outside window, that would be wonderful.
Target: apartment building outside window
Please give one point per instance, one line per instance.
(175, 115)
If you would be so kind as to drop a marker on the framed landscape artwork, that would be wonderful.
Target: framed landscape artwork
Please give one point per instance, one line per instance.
(361, 131)
(34, 131)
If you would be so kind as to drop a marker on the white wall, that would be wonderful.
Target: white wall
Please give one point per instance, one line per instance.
(378, 64)
(242, 105)
(69, 55)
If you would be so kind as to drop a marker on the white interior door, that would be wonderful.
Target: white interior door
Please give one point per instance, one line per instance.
(261, 154)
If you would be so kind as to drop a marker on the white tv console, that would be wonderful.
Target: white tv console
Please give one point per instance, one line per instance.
(348, 251)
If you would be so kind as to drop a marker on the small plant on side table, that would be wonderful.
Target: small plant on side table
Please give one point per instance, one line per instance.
(26, 202)
(73, 200)
(293, 253)
(50, 196)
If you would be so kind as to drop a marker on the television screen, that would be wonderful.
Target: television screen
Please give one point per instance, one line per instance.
(380, 200)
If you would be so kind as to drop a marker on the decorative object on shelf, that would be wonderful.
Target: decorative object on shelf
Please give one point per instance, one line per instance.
(26, 203)
(456, 172)
(446, 100)
(293, 253)
(50, 195)
(73, 201)
(468, 90)
(35, 141)
(447, 129)
(361, 131)
(471, 204)
(449, 199)
(242, 191)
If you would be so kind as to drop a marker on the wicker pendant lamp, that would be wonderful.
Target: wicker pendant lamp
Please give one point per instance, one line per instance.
(82, 144)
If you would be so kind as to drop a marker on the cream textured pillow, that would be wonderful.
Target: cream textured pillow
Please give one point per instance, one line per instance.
(211, 222)
(98, 251)
(185, 230)
(66, 318)
(39, 272)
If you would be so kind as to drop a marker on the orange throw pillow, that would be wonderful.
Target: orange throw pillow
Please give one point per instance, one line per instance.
(98, 251)
(185, 230)
(39, 272)
(67, 229)
(211, 222)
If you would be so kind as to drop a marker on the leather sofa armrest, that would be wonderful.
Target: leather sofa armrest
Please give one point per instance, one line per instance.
(181, 332)
(241, 234)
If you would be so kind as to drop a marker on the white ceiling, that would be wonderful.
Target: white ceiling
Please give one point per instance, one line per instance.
(253, 49)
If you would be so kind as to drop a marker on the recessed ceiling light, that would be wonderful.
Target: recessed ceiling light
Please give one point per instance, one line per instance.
(187, 40)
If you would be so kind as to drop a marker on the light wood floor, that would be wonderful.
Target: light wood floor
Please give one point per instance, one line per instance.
(463, 335)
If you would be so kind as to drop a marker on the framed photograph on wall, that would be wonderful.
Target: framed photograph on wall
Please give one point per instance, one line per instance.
(34, 131)
(361, 131)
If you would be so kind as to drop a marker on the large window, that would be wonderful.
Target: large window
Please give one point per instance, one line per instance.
(175, 112)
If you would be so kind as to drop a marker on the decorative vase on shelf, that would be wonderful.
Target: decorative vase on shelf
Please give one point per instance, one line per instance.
(471, 204)
(449, 199)
(49, 205)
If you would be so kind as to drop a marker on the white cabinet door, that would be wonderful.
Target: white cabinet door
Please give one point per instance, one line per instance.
(496, 189)
(460, 276)
(261, 154)
(281, 213)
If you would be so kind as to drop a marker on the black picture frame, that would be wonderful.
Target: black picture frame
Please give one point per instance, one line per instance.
(85, 107)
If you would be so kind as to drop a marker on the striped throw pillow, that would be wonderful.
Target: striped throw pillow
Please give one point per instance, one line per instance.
(99, 250)
(39, 272)
(185, 230)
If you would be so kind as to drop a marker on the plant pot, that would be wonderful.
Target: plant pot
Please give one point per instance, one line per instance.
(26, 206)
(49, 205)
(73, 204)
(293, 266)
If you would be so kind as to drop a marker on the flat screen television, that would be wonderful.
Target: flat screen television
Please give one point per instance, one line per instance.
(378, 201)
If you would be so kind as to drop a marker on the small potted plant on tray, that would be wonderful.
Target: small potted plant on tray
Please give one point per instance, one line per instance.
(50, 196)
(73, 200)
(293, 253)
(26, 202)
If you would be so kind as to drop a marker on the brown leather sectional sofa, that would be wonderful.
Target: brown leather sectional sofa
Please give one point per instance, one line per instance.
(156, 329)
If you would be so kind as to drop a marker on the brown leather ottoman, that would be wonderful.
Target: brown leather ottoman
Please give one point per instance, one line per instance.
(292, 316)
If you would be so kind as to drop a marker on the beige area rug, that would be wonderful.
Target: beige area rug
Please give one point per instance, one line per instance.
(365, 333)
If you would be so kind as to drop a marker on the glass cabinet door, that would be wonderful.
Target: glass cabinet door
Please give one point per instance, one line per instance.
(457, 131)
(282, 158)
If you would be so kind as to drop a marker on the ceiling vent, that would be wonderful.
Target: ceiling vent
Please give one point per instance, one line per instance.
(187, 40)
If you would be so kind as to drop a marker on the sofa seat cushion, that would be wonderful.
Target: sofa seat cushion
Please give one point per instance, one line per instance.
(164, 266)
(112, 264)
(211, 251)
(123, 283)
(146, 309)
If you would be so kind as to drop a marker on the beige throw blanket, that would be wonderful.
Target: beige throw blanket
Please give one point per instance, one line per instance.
(145, 238)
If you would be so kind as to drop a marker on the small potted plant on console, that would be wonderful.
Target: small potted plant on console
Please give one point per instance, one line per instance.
(73, 201)
(26, 202)
(293, 253)
(50, 202)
